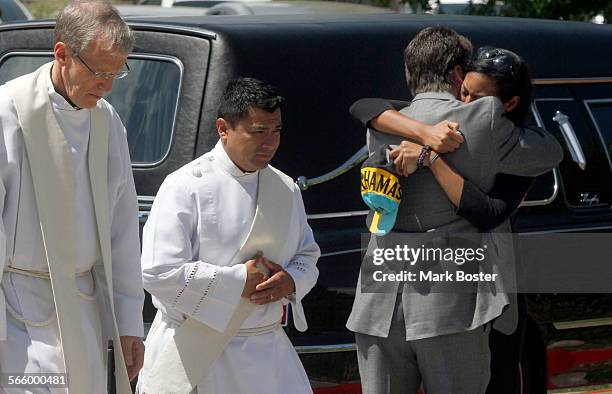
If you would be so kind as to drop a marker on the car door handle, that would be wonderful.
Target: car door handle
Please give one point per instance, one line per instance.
(359, 156)
(570, 139)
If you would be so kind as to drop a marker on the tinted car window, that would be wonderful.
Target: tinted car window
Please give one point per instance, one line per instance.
(146, 100)
(586, 187)
(601, 111)
(11, 11)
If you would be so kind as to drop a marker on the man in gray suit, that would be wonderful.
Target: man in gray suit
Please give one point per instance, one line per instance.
(440, 338)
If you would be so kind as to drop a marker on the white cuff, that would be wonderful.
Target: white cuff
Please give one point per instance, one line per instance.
(128, 312)
(299, 318)
(219, 301)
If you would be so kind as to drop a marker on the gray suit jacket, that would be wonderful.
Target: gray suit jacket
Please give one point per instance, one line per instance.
(492, 145)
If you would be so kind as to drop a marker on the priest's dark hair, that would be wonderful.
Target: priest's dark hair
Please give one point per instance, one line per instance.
(243, 93)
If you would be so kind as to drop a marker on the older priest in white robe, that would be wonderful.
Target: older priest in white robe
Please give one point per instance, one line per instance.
(69, 229)
(194, 246)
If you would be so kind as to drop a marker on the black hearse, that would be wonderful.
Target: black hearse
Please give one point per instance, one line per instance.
(322, 64)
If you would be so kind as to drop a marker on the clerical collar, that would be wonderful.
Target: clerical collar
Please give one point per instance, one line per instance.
(228, 165)
(57, 99)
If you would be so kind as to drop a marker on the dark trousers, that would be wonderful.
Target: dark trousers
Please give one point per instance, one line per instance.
(506, 351)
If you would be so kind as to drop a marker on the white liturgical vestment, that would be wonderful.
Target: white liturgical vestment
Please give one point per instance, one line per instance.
(29, 335)
(200, 217)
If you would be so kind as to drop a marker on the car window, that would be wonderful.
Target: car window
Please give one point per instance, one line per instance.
(146, 100)
(11, 11)
(544, 188)
(601, 112)
(584, 187)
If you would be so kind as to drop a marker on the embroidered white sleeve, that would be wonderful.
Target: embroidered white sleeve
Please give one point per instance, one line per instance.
(211, 293)
(202, 290)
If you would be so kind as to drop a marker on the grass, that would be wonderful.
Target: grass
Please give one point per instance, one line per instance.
(44, 9)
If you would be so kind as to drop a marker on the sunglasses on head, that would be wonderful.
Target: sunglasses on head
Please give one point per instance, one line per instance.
(501, 60)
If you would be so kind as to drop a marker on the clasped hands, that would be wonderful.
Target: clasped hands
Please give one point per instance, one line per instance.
(442, 137)
(262, 288)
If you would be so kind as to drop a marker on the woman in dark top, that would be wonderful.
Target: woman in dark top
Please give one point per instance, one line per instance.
(493, 72)
(496, 72)
(483, 210)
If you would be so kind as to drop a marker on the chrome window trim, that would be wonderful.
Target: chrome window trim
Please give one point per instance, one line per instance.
(333, 215)
(165, 58)
(337, 348)
(177, 62)
(144, 207)
(546, 201)
(317, 216)
(606, 100)
(146, 198)
(27, 25)
(24, 9)
(168, 28)
(347, 251)
(145, 214)
(145, 202)
(29, 53)
(536, 114)
(571, 81)
(551, 99)
(601, 138)
(163, 28)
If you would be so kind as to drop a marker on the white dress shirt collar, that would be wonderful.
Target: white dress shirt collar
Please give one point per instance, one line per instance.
(58, 101)
(224, 161)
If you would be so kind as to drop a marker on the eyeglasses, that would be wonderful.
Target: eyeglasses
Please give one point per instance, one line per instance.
(502, 60)
(106, 75)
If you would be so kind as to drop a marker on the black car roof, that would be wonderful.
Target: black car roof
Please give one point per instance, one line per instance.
(554, 49)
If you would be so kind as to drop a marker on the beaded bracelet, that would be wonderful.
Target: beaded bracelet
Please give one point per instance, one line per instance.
(422, 155)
